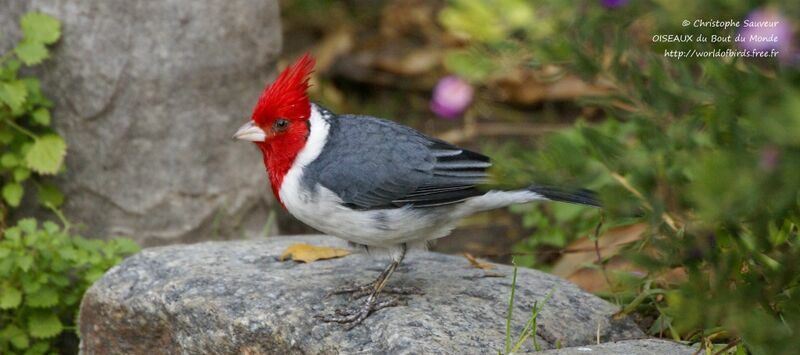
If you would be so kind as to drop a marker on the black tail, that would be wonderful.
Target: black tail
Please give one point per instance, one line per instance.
(579, 196)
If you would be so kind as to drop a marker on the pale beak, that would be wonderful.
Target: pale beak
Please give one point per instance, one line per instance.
(250, 132)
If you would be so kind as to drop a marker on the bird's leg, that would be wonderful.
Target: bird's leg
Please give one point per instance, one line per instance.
(354, 316)
(360, 291)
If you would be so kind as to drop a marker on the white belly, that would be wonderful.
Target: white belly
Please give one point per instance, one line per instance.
(385, 227)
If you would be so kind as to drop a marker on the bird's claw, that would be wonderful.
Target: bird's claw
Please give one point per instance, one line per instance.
(354, 289)
(351, 317)
(358, 292)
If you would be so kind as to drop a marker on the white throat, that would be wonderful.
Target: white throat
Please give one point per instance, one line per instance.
(291, 188)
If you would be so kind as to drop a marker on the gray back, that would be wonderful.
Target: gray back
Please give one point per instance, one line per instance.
(371, 163)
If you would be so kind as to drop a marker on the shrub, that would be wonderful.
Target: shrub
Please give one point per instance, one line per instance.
(28, 143)
(43, 271)
(704, 151)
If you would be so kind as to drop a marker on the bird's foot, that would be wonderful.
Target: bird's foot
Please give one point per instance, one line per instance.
(353, 316)
(353, 289)
(361, 291)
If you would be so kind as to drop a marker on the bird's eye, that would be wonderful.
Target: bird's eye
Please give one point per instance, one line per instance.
(280, 124)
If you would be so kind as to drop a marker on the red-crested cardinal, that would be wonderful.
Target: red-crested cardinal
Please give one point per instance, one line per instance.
(372, 182)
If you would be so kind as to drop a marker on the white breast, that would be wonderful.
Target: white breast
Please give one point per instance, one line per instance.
(323, 210)
(297, 199)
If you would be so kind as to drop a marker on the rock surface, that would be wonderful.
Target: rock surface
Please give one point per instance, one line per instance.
(627, 347)
(147, 95)
(237, 297)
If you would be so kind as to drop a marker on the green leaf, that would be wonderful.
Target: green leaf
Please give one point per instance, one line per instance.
(68, 254)
(44, 325)
(6, 135)
(30, 285)
(50, 227)
(41, 116)
(8, 160)
(46, 154)
(38, 348)
(12, 193)
(31, 53)
(462, 16)
(125, 246)
(24, 262)
(12, 234)
(10, 297)
(469, 64)
(27, 225)
(42, 298)
(15, 336)
(8, 71)
(13, 93)
(35, 96)
(661, 324)
(21, 174)
(38, 27)
(49, 195)
(93, 275)
(32, 239)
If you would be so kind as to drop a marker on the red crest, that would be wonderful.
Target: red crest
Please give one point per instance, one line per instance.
(286, 97)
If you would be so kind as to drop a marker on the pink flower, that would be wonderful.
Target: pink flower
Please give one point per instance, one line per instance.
(613, 4)
(766, 30)
(451, 97)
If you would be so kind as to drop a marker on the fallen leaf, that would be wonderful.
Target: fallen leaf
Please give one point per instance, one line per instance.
(582, 252)
(579, 263)
(477, 264)
(309, 253)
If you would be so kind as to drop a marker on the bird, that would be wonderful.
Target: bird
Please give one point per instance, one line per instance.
(373, 182)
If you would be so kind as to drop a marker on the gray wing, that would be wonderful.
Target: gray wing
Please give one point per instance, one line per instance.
(372, 164)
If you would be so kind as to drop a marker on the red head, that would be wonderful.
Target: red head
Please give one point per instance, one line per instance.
(279, 125)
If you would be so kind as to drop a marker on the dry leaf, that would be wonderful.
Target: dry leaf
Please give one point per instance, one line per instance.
(579, 264)
(582, 251)
(477, 264)
(309, 253)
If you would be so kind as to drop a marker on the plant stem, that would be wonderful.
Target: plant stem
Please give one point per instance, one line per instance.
(60, 216)
(23, 130)
(511, 307)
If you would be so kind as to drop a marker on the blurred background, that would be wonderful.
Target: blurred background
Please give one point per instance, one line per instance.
(115, 122)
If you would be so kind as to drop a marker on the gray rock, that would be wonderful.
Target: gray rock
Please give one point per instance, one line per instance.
(627, 347)
(147, 95)
(237, 297)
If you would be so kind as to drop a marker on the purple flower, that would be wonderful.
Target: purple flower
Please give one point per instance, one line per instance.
(451, 97)
(766, 30)
(770, 156)
(613, 4)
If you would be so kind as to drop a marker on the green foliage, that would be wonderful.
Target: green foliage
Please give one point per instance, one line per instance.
(529, 330)
(43, 275)
(499, 18)
(43, 271)
(26, 139)
(46, 154)
(497, 32)
(705, 152)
